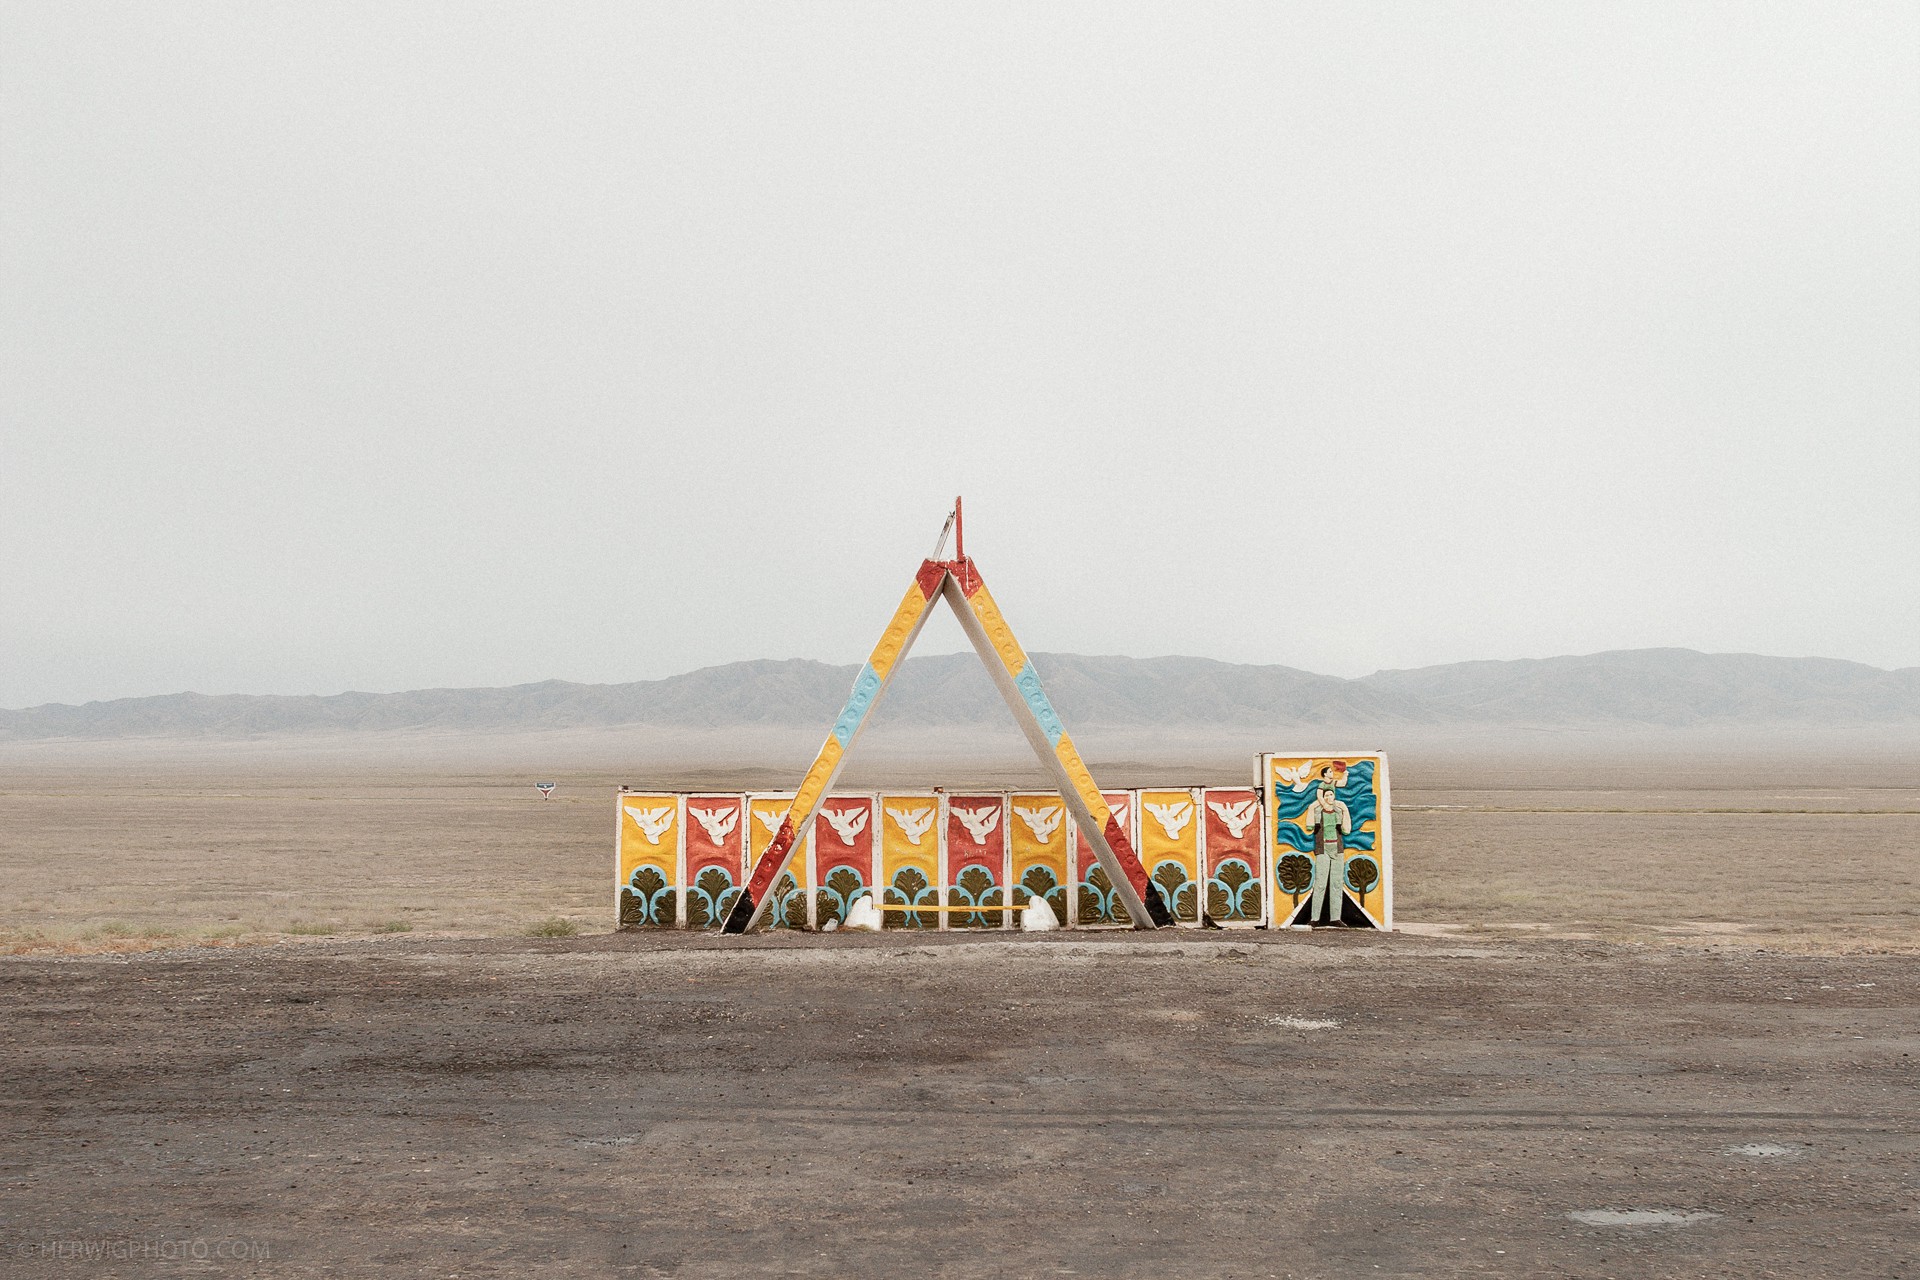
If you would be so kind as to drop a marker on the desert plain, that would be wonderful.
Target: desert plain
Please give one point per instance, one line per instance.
(324, 1008)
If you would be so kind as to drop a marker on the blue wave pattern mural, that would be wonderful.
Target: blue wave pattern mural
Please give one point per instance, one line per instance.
(1356, 793)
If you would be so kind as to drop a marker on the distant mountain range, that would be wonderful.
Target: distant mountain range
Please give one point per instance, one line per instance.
(1635, 688)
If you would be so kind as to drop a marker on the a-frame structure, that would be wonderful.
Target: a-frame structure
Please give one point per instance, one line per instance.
(959, 583)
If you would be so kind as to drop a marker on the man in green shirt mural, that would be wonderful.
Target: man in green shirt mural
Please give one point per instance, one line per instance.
(1331, 824)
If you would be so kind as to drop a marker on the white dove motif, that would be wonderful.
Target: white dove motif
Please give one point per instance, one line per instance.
(1235, 816)
(1042, 822)
(978, 822)
(718, 823)
(1173, 817)
(770, 819)
(846, 823)
(1295, 778)
(653, 823)
(913, 822)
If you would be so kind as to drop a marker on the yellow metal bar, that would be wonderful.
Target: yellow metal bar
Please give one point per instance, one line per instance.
(890, 906)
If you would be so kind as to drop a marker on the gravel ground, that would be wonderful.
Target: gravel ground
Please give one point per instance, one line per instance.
(1192, 1105)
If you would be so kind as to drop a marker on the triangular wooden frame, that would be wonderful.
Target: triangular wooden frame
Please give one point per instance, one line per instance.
(959, 583)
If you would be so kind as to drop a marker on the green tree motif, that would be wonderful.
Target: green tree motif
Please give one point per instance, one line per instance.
(713, 894)
(909, 889)
(1229, 889)
(975, 885)
(1099, 904)
(1039, 882)
(1091, 896)
(975, 880)
(835, 898)
(1362, 874)
(1294, 874)
(1176, 888)
(646, 901)
(789, 904)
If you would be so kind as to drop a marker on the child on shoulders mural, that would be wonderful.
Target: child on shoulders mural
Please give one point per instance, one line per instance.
(1325, 838)
(1331, 823)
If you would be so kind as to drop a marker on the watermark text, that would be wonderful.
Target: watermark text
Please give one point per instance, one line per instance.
(138, 1249)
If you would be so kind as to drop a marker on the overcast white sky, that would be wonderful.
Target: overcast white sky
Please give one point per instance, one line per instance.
(393, 345)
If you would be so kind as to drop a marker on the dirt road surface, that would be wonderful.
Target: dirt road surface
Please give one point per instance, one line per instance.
(1105, 1105)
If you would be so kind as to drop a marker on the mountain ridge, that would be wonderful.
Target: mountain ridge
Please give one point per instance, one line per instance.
(1625, 688)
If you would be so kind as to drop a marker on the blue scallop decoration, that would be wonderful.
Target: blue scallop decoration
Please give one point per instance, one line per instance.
(1028, 682)
(865, 688)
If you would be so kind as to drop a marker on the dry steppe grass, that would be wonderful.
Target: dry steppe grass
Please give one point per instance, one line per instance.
(115, 850)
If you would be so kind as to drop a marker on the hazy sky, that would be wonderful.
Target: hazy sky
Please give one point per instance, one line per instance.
(393, 345)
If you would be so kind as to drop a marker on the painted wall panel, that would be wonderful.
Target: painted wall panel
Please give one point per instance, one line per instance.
(649, 860)
(1038, 830)
(910, 858)
(1230, 852)
(1329, 839)
(716, 852)
(976, 859)
(1170, 847)
(1235, 840)
(843, 845)
(789, 891)
(1095, 903)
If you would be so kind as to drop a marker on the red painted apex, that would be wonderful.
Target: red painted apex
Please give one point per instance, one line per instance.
(933, 571)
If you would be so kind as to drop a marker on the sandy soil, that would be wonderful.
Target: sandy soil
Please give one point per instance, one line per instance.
(111, 850)
(1191, 1105)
